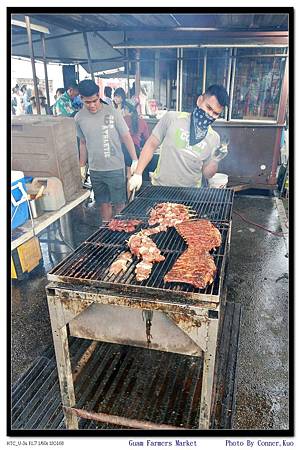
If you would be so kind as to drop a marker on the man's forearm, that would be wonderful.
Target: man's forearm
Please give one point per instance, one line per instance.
(82, 154)
(210, 169)
(147, 153)
(127, 139)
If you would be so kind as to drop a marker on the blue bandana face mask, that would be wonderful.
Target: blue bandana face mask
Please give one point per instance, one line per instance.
(200, 122)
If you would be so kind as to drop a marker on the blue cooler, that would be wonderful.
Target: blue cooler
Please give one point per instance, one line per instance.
(19, 204)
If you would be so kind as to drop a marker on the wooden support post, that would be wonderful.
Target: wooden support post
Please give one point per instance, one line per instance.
(61, 346)
(36, 90)
(208, 374)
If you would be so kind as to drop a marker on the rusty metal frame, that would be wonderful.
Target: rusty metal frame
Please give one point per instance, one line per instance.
(67, 302)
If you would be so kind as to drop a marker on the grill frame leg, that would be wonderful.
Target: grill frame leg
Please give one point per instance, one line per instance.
(208, 374)
(61, 347)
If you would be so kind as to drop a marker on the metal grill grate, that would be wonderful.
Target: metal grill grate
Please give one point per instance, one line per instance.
(179, 194)
(90, 263)
(215, 211)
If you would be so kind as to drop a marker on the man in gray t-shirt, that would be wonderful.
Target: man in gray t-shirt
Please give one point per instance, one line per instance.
(101, 130)
(190, 148)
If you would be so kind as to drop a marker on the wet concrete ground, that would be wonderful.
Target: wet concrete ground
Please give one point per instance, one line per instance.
(257, 279)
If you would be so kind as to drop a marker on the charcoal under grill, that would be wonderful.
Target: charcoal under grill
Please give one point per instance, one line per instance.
(98, 305)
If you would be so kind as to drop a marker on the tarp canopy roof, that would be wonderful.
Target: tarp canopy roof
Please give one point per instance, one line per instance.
(65, 41)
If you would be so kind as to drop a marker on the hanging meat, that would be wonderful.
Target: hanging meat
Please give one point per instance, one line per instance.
(196, 266)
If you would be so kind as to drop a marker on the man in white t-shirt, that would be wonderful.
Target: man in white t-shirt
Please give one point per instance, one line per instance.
(190, 147)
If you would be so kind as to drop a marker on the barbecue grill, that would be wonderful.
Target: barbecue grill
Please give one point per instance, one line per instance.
(86, 301)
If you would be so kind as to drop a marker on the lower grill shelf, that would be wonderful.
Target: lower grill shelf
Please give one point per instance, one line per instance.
(132, 382)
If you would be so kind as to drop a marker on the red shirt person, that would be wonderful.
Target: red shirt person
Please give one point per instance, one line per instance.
(139, 132)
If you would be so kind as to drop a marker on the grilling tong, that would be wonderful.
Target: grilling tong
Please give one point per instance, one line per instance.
(132, 195)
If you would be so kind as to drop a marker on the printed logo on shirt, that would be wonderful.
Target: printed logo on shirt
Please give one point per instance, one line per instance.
(109, 120)
(108, 124)
(182, 141)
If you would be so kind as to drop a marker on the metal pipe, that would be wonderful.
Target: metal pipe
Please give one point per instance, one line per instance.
(128, 76)
(86, 43)
(284, 95)
(127, 67)
(156, 75)
(77, 73)
(121, 421)
(232, 83)
(45, 69)
(84, 360)
(36, 91)
(204, 71)
(177, 81)
(280, 120)
(228, 80)
(180, 79)
(203, 46)
(138, 74)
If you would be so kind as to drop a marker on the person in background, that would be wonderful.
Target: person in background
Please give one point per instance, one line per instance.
(77, 103)
(17, 101)
(27, 93)
(139, 132)
(58, 93)
(139, 100)
(101, 130)
(63, 105)
(190, 147)
(119, 100)
(107, 95)
(42, 105)
(14, 102)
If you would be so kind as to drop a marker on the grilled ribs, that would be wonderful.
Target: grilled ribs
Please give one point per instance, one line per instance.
(196, 266)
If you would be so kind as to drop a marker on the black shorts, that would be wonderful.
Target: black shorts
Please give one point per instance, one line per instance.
(108, 186)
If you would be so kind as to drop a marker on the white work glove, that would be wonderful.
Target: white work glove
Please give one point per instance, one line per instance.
(219, 153)
(83, 171)
(133, 166)
(135, 182)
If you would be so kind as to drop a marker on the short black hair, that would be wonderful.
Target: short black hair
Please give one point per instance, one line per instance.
(107, 91)
(87, 88)
(60, 91)
(219, 92)
(120, 93)
(72, 85)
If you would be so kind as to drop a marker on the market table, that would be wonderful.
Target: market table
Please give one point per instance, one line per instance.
(36, 226)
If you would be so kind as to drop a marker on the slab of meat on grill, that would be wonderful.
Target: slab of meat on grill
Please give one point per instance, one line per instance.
(169, 214)
(121, 263)
(193, 268)
(200, 233)
(127, 225)
(196, 266)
